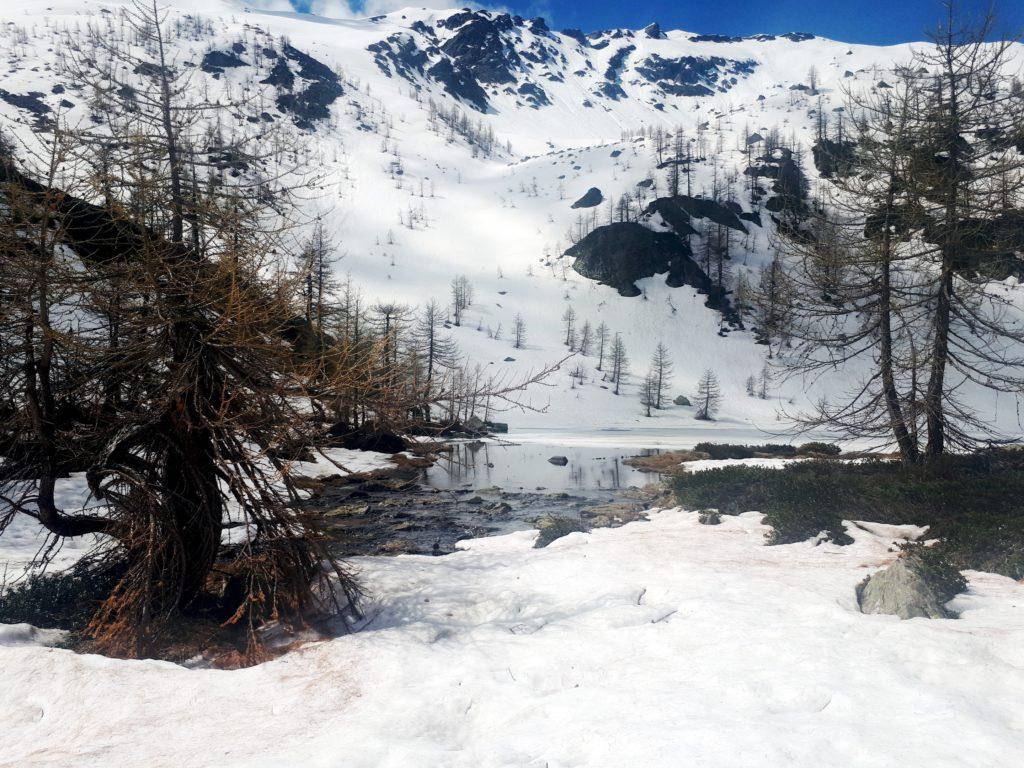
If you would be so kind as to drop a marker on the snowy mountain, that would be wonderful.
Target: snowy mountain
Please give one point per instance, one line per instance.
(481, 144)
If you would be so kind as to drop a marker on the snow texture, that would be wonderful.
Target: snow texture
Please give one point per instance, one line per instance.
(662, 643)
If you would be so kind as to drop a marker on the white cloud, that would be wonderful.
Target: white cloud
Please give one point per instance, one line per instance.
(332, 9)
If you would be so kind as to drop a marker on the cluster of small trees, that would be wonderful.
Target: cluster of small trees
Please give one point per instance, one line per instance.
(895, 274)
(454, 122)
(169, 325)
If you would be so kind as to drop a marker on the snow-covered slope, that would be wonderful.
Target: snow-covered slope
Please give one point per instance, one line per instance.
(657, 644)
(414, 203)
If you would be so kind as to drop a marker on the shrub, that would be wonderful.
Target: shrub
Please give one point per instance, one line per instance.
(816, 448)
(63, 600)
(721, 451)
(934, 566)
(972, 503)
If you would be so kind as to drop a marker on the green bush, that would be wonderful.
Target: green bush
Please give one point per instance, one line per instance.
(63, 600)
(721, 451)
(972, 503)
(816, 448)
(934, 566)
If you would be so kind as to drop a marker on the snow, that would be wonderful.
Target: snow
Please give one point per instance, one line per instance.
(658, 644)
(482, 221)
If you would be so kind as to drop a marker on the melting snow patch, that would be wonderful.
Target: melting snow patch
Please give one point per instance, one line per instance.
(654, 644)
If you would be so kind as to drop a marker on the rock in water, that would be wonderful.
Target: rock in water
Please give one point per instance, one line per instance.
(906, 589)
(560, 461)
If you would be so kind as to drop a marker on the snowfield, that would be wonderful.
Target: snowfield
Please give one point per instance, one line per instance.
(662, 643)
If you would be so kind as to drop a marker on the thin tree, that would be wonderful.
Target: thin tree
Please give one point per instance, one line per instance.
(661, 367)
(619, 362)
(518, 332)
(709, 396)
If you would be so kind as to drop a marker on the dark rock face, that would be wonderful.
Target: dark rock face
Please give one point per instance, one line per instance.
(368, 437)
(620, 254)
(459, 84)
(715, 39)
(401, 52)
(323, 87)
(478, 47)
(592, 198)
(672, 214)
(559, 461)
(534, 95)
(694, 75)
(789, 185)
(578, 36)
(215, 62)
(30, 102)
(833, 158)
(698, 208)
(654, 32)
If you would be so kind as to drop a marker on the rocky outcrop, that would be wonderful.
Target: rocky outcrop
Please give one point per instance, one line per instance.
(833, 158)
(620, 254)
(677, 211)
(590, 199)
(694, 75)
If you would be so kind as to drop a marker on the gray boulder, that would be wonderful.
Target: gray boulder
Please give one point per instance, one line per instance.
(909, 589)
(682, 400)
(551, 528)
(590, 199)
(709, 517)
(560, 461)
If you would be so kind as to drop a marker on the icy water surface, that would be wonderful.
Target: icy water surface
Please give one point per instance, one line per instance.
(525, 467)
(484, 489)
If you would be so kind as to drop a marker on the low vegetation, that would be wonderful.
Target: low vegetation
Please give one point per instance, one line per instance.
(971, 503)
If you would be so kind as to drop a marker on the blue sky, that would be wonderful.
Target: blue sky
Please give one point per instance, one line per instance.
(858, 21)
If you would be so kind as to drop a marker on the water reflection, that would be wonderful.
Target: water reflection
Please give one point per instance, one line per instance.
(481, 465)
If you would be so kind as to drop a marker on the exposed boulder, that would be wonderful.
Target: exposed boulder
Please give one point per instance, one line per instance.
(709, 517)
(682, 400)
(918, 584)
(215, 62)
(590, 199)
(558, 461)
(552, 528)
(620, 254)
